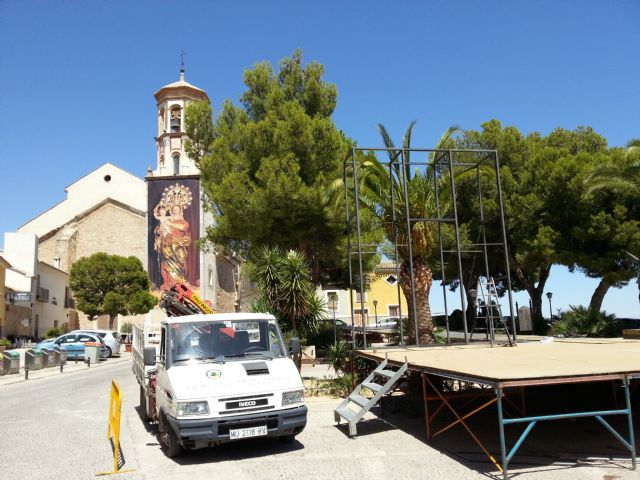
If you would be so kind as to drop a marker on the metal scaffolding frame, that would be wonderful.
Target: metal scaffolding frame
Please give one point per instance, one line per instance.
(399, 167)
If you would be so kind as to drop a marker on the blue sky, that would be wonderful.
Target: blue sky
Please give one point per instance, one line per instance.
(77, 79)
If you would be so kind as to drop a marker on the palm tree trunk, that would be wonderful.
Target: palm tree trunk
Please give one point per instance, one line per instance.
(598, 295)
(423, 279)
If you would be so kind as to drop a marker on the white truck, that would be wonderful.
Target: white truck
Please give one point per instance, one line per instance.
(214, 378)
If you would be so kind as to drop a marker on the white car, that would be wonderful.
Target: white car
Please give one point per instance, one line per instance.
(109, 337)
(387, 322)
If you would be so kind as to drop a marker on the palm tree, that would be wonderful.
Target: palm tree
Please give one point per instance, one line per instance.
(381, 192)
(622, 175)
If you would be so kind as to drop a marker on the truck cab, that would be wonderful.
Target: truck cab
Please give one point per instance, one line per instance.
(224, 377)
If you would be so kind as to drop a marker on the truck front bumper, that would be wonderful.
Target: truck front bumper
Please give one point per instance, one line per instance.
(196, 433)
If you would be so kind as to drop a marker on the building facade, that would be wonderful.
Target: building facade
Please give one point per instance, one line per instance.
(382, 298)
(38, 297)
(3, 309)
(158, 219)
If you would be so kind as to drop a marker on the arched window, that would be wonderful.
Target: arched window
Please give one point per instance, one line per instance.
(176, 117)
(176, 164)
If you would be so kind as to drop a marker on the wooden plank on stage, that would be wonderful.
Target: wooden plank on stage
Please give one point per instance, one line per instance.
(560, 358)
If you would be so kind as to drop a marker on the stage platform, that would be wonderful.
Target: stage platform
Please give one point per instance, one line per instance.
(528, 363)
(466, 379)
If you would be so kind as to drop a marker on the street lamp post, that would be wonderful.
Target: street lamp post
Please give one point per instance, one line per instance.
(335, 335)
(375, 310)
(549, 295)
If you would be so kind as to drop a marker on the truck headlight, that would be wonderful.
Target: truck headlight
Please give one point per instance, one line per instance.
(296, 396)
(192, 408)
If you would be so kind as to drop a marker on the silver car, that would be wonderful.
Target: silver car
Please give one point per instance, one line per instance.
(109, 337)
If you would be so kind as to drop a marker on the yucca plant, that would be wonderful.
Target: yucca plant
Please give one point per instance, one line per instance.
(339, 355)
(285, 289)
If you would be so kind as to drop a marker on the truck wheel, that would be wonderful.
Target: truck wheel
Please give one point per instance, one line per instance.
(174, 449)
(143, 404)
(169, 440)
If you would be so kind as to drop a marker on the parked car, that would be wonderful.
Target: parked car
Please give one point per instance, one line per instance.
(109, 337)
(73, 344)
(387, 322)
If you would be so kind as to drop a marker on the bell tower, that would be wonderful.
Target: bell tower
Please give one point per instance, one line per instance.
(172, 100)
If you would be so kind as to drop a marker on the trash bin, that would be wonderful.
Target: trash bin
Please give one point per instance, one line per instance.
(10, 362)
(33, 359)
(47, 358)
(92, 352)
(60, 356)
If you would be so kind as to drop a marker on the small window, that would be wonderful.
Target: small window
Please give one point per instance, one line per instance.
(176, 164)
(361, 297)
(391, 280)
(332, 300)
(55, 324)
(85, 338)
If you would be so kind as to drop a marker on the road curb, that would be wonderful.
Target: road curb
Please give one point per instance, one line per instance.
(70, 367)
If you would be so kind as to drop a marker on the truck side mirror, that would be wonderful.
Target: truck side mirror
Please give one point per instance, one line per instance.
(149, 356)
(295, 346)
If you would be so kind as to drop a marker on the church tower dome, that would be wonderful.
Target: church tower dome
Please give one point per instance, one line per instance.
(172, 100)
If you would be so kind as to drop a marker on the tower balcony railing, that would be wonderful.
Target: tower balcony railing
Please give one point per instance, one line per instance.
(42, 294)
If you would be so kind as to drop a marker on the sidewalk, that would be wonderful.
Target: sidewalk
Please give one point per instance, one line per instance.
(69, 367)
(321, 370)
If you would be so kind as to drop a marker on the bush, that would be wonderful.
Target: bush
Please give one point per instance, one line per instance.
(342, 386)
(323, 338)
(5, 342)
(53, 333)
(582, 321)
(127, 327)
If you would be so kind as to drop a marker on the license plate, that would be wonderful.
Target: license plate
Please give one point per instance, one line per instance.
(248, 432)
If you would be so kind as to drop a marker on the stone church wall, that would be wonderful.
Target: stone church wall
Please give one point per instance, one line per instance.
(109, 229)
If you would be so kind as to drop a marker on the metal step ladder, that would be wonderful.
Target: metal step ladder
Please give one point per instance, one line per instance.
(363, 404)
(491, 311)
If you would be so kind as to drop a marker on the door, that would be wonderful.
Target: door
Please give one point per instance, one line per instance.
(358, 317)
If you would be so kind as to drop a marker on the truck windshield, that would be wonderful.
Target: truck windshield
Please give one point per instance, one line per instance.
(224, 340)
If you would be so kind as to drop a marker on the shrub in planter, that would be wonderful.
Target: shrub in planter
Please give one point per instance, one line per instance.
(53, 333)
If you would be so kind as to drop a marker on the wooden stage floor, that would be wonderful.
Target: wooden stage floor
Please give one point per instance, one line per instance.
(528, 362)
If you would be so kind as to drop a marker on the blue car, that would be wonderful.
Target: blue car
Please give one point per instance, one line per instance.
(73, 344)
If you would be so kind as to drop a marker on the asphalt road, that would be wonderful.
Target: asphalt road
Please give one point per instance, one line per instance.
(55, 427)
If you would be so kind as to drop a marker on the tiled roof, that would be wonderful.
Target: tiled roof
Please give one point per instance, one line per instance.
(181, 84)
(386, 267)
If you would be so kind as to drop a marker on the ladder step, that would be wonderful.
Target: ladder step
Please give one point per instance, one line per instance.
(386, 373)
(359, 400)
(346, 413)
(374, 387)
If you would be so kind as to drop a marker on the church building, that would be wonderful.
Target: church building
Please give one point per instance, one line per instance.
(158, 219)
